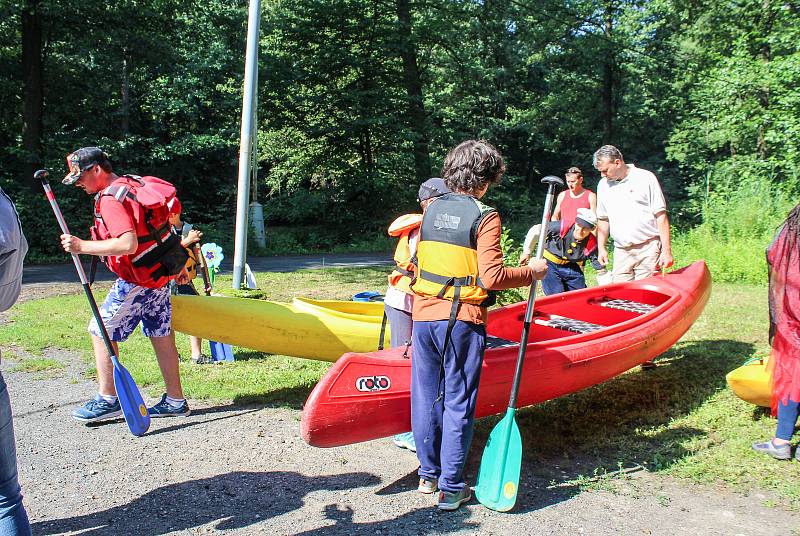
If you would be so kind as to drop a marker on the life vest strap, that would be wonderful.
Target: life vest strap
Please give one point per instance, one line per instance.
(403, 271)
(467, 281)
(558, 260)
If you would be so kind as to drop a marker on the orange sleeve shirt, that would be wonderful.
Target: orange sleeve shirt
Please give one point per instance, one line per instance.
(493, 274)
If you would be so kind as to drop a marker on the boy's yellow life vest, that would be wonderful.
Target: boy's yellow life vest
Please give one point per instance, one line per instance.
(447, 254)
(401, 276)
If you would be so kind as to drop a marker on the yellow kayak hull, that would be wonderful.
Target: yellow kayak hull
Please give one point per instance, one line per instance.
(751, 383)
(313, 329)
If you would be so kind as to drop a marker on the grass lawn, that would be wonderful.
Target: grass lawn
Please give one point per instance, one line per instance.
(679, 419)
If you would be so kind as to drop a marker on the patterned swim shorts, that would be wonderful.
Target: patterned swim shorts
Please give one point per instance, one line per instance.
(128, 304)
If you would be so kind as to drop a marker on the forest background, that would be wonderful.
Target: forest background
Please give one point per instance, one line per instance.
(359, 101)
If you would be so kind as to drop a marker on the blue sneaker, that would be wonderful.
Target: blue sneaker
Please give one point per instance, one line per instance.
(97, 409)
(405, 441)
(164, 409)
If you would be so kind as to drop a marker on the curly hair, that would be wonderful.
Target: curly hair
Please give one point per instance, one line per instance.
(471, 165)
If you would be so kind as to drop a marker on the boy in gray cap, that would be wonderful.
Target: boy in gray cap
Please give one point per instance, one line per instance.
(399, 299)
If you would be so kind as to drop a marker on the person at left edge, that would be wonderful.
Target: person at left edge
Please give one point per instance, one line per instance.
(124, 233)
(399, 299)
(13, 247)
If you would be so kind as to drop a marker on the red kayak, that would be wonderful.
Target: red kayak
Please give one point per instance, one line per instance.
(578, 339)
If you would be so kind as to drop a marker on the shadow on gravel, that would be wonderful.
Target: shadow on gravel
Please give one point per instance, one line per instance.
(236, 500)
(583, 440)
(421, 521)
(231, 410)
(50, 408)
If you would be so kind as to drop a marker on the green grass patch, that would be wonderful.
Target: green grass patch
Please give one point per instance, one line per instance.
(37, 364)
(679, 419)
(60, 322)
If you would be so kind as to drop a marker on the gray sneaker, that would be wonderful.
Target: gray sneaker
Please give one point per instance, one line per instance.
(779, 452)
(428, 486)
(452, 501)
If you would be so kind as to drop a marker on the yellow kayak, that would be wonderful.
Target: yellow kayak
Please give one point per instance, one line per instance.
(313, 329)
(750, 382)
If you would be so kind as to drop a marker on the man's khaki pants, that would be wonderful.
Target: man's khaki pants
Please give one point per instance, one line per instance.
(637, 261)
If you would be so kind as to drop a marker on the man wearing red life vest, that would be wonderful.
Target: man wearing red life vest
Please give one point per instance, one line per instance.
(124, 235)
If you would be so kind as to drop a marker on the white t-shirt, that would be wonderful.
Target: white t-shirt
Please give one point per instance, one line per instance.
(397, 298)
(630, 205)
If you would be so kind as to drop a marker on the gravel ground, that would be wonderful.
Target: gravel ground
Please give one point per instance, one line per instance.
(245, 470)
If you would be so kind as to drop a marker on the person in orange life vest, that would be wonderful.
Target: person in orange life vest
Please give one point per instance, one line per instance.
(459, 261)
(189, 237)
(137, 296)
(399, 298)
(566, 249)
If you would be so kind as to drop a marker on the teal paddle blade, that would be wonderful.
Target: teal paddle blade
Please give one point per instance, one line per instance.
(498, 478)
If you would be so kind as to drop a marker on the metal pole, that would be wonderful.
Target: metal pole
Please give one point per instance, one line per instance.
(246, 143)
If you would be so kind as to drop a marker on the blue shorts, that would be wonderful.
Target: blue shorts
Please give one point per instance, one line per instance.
(128, 304)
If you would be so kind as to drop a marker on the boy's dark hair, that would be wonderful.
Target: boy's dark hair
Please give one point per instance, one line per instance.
(471, 165)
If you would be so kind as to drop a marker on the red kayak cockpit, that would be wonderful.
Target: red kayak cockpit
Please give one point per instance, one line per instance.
(573, 313)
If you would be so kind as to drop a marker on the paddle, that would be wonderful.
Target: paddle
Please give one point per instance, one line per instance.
(130, 400)
(219, 351)
(498, 477)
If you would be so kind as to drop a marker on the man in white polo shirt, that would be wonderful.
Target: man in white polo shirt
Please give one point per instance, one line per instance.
(631, 207)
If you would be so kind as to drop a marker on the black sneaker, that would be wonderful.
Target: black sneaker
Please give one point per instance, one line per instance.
(202, 359)
(165, 409)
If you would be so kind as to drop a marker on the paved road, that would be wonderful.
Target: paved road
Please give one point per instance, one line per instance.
(65, 273)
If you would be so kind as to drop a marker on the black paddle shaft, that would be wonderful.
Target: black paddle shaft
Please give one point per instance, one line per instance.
(42, 175)
(551, 181)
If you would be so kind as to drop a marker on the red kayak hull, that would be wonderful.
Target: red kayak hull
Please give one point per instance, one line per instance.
(367, 396)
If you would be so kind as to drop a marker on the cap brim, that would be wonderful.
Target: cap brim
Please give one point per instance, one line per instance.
(71, 178)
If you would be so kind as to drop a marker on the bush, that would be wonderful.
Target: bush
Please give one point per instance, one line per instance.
(511, 254)
(737, 227)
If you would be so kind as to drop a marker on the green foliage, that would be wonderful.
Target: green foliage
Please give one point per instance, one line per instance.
(511, 255)
(695, 90)
(736, 229)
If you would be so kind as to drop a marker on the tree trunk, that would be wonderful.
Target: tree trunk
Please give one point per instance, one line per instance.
(413, 85)
(125, 96)
(608, 78)
(768, 17)
(33, 95)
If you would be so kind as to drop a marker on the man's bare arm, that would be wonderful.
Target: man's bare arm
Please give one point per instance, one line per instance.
(125, 244)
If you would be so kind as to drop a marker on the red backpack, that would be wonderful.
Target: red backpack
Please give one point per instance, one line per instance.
(149, 201)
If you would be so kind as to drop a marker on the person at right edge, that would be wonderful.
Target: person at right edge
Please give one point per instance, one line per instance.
(783, 259)
(631, 208)
(13, 247)
(459, 263)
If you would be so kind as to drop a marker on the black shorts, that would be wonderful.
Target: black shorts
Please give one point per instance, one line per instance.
(186, 290)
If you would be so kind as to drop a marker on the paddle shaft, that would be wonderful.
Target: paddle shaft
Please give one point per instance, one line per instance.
(48, 192)
(198, 253)
(526, 326)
